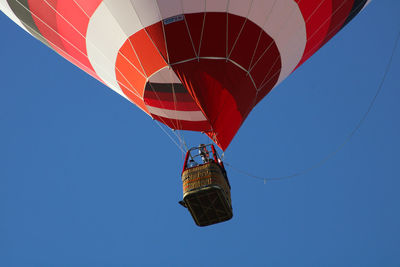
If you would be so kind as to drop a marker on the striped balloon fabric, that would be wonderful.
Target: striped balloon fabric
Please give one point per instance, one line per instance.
(199, 65)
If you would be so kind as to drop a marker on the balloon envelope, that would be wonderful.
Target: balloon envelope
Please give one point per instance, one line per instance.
(199, 65)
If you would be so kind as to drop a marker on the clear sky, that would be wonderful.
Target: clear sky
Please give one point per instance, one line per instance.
(87, 179)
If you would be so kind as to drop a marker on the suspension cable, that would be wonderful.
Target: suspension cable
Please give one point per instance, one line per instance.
(170, 137)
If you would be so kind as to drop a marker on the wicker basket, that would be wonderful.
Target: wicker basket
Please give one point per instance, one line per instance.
(206, 194)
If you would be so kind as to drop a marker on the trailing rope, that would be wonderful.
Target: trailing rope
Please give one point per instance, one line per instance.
(352, 133)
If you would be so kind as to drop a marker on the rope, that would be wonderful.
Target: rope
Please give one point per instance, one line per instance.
(170, 137)
(352, 133)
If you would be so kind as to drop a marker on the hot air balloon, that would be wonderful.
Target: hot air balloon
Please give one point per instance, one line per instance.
(197, 65)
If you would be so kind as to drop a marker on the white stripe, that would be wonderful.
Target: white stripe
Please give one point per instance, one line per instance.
(5, 8)
(239, 7)
(285, 24)
(125, 15)
(216, 6)
(147, 10)
(196, 6)
(169, 8)
(164, 75)
(109, 27)
(366, 4)
(176, 114)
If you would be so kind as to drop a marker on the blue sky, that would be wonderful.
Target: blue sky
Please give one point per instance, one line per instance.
(77, 188)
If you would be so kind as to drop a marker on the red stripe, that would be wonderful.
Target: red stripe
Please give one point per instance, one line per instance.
(155, 33)
(178, 41)
(213, 42)
(66, 30)
(181, 106)
(317, 15)
(195, 25)
(88, 6)
(341, 10)
(148, 51)
(219, 89)
(128, 70)
(184, 125)
(243, 46)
